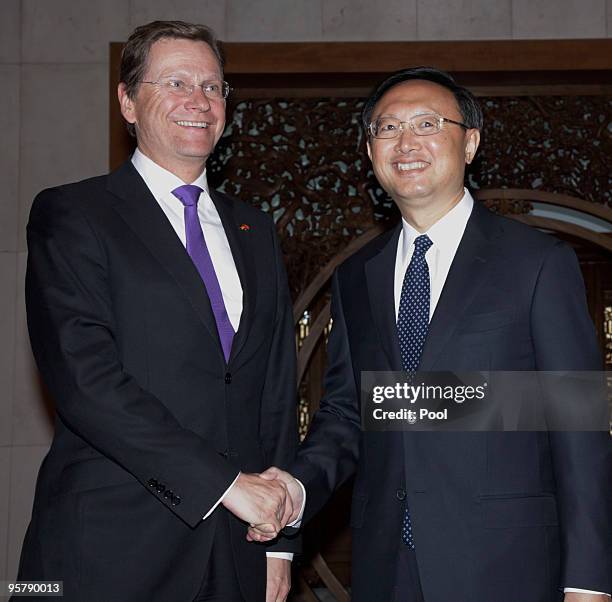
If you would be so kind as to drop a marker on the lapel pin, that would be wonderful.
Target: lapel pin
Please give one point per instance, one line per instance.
(245, 227)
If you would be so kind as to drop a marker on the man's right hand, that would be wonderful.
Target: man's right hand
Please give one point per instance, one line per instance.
(259, 501)
(262, 532)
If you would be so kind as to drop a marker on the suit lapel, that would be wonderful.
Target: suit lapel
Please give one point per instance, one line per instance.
(380, 278)
(241, 245)
(464, 280)
(142, 213)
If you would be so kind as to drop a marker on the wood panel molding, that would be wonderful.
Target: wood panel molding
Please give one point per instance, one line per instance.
(385, 57)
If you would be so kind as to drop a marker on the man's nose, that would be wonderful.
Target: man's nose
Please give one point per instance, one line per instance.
(198, 100)
(407, 140)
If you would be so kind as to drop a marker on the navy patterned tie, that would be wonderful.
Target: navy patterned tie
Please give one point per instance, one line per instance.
(412, 323)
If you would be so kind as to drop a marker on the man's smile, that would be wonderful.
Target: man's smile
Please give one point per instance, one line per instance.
(406, 166)
(193, 124)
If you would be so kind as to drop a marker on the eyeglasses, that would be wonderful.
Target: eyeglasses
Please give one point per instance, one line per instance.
(422, 125)
(214, 90)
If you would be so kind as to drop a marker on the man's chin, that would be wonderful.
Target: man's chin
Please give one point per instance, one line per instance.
(411, 194)
(194, 153)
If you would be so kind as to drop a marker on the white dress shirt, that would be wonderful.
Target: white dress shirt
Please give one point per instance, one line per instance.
(161, 183)
(445, 234)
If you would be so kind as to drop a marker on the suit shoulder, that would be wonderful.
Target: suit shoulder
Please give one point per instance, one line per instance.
(75, 193)
(73, 198)
(521, 237)
(72, 189)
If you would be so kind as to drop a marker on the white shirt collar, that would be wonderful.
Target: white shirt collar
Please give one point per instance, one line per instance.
(160, 181)
(446, 233)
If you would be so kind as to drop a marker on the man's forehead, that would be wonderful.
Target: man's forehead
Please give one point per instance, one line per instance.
(168, 52)
(417, 92)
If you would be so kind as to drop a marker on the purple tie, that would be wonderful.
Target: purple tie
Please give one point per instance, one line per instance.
(198, 251)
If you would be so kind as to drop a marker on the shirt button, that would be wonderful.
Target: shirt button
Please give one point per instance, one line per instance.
(400, 494)
(228, 378)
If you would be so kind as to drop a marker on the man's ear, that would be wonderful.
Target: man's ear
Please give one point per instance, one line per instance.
(472, 140)
(126, 103)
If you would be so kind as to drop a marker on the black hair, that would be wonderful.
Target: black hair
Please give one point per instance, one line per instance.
(468, 105)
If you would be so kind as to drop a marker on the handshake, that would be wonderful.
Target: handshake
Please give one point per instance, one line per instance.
(268, 502)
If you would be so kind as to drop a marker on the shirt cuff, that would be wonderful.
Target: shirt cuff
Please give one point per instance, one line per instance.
(576, 590)
(297, 523)
(284, 555)
(220, 499)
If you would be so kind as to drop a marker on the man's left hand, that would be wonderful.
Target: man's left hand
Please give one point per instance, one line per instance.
(579, 597)
(278, 582)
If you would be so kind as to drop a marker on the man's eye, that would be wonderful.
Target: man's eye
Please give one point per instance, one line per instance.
(387, 127)
(175, 83)
(425, 125)
(212, 87)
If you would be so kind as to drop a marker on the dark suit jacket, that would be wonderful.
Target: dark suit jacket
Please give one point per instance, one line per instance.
(152, 425)
(504, 516)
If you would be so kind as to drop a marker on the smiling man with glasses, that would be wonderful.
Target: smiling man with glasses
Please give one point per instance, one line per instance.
(161, 321)
(456, 516)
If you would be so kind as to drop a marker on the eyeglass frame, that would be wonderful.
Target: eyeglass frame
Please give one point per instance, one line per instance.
(225, 88)
(401, 129)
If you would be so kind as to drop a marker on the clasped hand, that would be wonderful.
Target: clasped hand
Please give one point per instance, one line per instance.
(267, 501)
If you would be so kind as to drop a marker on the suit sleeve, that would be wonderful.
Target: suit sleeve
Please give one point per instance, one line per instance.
(564, 339)
(328, 456)
(278, 423)
(74, 340)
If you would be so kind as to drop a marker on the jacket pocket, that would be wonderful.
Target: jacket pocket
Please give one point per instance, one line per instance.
(486, 321)
(501, 512)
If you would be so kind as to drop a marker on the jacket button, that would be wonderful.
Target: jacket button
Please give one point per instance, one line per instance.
(228, 378)
(176, 500)
(400, 494)
(152, 483)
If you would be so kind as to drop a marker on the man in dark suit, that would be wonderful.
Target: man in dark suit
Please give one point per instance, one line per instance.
(479, 517)
(161, 322)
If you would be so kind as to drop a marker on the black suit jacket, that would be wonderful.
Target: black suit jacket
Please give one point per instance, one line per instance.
(152, 424)
(502, 516)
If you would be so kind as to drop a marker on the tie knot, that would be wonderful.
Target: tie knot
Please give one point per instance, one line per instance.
(422, 244)
(188, 194)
